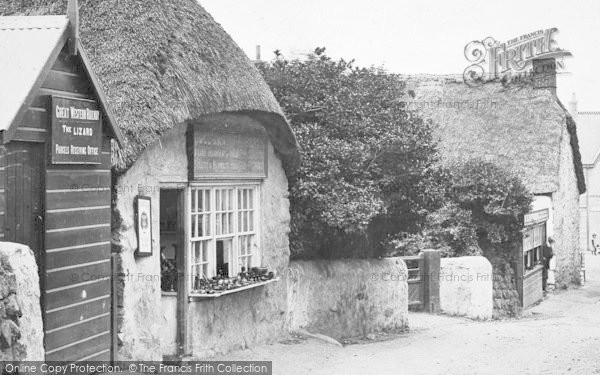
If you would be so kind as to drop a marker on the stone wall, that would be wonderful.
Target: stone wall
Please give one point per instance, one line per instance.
(217, 326)
(466, 287)
(345, 298)
(21, 328)
(566, 220)
(506, 297)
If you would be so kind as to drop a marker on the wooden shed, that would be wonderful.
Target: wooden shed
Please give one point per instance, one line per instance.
(55, 177)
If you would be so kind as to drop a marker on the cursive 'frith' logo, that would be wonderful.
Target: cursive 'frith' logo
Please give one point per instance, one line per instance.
(491, 59)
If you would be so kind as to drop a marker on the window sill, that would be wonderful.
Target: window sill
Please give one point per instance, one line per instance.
(200, 296)
(169, 294)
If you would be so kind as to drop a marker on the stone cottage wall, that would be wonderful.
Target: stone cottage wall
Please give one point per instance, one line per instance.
(246, 318)
(21, 328)
(566, 219)
(346, 298)
(216, 326)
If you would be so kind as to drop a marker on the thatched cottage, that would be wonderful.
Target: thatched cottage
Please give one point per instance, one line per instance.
(199, 184)
(525, 129)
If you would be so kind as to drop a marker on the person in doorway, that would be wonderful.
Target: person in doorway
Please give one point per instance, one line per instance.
(547, 253)
(595, 244)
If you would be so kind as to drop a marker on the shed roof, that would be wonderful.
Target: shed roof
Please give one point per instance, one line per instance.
(29, 46)
(517, 126)
(165, 62)
(588, 126)
(26, 45)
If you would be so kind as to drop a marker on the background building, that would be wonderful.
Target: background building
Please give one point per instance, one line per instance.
(588, 128)
(523, 128)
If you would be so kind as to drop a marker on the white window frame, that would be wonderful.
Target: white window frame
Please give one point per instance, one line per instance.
(234, 269)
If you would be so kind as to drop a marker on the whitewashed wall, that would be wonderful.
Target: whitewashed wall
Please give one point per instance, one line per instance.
(466, 287)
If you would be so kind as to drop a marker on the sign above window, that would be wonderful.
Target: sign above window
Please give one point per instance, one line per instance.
(76, 131)
(228, 154)
(536, 217)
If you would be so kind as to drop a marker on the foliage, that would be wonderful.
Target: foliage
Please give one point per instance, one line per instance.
(370, 182)
(483, 212)
(364, 157)
(497, 200)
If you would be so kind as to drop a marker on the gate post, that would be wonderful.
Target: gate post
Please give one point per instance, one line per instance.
(431, 281)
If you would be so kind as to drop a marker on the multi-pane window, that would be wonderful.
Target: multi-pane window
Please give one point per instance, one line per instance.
(200, 233)
(222, 233)
(245, 227)
(534, 239)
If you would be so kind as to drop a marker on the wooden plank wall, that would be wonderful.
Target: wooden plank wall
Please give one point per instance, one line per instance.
(24, 204)
(77, 306)
(532, 287)
(66, 78)
(78, 283)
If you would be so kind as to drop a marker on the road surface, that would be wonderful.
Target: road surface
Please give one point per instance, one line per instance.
(559, 336)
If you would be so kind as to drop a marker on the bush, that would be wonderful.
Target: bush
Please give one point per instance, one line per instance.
(483, 212)
(363, 156)
(369, 184)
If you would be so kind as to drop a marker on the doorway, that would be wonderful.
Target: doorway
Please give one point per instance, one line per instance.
(172, 261)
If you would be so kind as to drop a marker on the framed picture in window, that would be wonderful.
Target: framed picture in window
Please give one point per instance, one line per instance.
(143, 225)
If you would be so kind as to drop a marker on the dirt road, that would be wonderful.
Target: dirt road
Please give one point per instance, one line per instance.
(559, 336)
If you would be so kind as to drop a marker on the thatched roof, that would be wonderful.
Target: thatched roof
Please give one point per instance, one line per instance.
(164, 62)
(515, 126)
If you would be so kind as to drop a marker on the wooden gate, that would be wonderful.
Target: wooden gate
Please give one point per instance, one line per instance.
(423, 280)
(414, 264)
(77, 303)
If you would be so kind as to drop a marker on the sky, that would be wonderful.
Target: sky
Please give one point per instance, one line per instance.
(417, 36)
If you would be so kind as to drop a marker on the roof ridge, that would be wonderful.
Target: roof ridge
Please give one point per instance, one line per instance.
(50, 22)
(30, 28)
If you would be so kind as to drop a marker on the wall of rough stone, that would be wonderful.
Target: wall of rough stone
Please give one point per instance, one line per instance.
(506, 296)
(566, 220)
(216, 326)
(466, 287)
(21, 327)
(345, 298)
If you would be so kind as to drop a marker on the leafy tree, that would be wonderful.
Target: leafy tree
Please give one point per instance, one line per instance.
(497, 200)
(366, 160)
(482, 214)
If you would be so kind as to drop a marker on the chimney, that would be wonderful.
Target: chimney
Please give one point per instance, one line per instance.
(544, 74)
(73, 15)
(573, 107)
(258, 52)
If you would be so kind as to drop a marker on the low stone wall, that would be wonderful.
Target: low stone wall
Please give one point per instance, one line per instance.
(21, 329)
(466, 287)
(346, 298)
